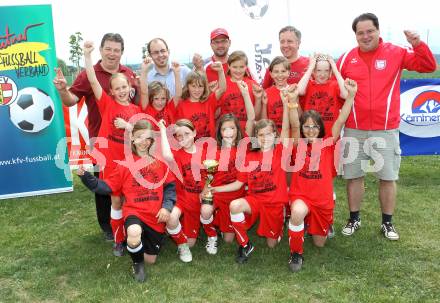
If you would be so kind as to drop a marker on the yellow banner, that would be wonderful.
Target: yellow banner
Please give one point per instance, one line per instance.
(22, 55)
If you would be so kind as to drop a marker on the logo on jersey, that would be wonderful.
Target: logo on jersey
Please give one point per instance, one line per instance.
(380, 64)
(354, 61)
(420, 112)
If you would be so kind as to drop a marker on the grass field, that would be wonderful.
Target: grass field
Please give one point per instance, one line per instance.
(52, 251)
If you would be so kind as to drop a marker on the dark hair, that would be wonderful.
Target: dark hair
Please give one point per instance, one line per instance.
(155, 40)
(113, 37)
(236, 56)
(259, 126)
(186, 123)
(365, 17)
(141, 125)
(198, 78)
(227, 118)
(290, 28)
(316, 118)
(279, 60)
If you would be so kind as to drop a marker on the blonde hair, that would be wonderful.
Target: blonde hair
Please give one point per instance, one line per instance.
(119, 76)
(237, 56)
(197, 78)
(186, 123)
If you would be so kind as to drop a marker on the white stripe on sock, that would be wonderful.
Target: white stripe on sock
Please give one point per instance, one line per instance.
(136, 249)
(208, 221)
(116, 213)
(296, 227)
(175, 231)
(237, 217)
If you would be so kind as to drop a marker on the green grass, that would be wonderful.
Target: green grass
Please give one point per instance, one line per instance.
(52, 251)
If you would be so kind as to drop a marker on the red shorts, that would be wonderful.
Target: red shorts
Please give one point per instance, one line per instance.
(319, 219)
(271, 218)
(222, 214)
(190, 221)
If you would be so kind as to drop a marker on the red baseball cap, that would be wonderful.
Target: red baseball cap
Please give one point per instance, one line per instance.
(219, 32)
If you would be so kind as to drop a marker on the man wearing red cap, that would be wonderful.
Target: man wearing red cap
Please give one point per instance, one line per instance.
(220, 44)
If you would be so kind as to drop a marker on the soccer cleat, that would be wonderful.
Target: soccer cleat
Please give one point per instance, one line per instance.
(184, 253)
(351, 227)
(211, 245)
(244, 253)
(331, 232)
(118, 249)
(138, 272)
(296, 261)
(389, 231)
(108, 236)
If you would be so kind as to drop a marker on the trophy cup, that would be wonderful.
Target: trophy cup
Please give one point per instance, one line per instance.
(211, 168)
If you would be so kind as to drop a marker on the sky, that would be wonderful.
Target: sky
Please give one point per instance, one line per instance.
(186, 24)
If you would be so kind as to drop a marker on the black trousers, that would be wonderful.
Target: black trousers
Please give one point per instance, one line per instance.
(103, 207)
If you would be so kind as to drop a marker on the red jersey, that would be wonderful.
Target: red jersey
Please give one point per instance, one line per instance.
(297, 70)
(110, 110)
(189, 188)
(201, 114)
(227, 173)
(377, 101)
(267, 181)
(232, 100)
(314, 180)
(325, 99)
(81, 88)
(140, 201)
(211, 74)
(275, 106)
(167, 114)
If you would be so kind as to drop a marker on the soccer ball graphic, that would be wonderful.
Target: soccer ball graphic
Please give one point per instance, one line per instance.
(32, 111)
(255, 9)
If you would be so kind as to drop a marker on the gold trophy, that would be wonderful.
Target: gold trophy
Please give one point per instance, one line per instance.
(211, 168)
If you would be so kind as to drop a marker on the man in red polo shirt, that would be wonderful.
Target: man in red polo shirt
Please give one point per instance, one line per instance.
(290, 40)
(220, 44)
(111, 49)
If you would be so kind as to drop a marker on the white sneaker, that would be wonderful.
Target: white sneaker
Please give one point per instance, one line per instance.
(351, 227)
(184, 253)
(211, 245)
(389, 231)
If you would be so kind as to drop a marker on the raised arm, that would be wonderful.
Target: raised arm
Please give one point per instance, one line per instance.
(351, 87)
(343, 91)
(60, 83)
(258, 92)
(198, 63)
(302, 84)
(218, 67)
(145, 66)
(166, 148)
(92, 183)
(96, 87)
(250, 112)
(178, 83)
(293, 106)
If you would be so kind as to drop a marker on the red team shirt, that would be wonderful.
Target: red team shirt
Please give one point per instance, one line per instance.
(275, 106)
(141, 202)
(167, 114)
(201, 114)
(313, 183)
(325, 99)
(297, 70)
(110, 110)
(232, 100)
(267, 182)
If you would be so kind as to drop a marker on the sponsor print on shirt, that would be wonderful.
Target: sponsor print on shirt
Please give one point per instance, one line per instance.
(323, 103)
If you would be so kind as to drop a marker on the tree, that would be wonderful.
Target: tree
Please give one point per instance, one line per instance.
(61, 64)
(76, 50)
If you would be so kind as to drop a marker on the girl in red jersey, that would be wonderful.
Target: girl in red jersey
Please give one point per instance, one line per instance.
(267, 187)
(156, 95)
(184, 223)
(199, 104)
(113, 110)
(149, 197)
(322, 89)
(311, 188)
(232, 100)
(272, 107)
(228, 136)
